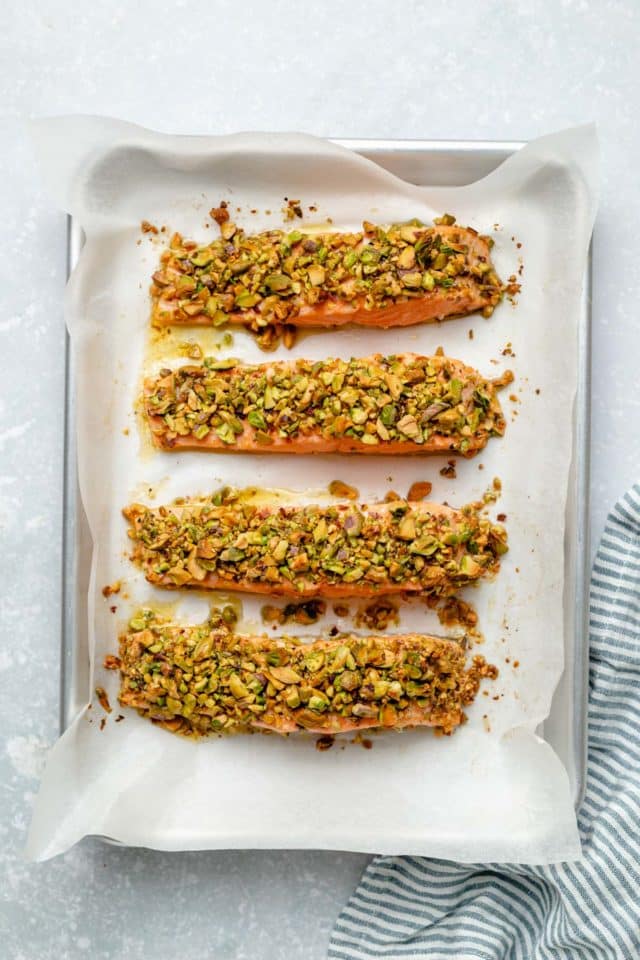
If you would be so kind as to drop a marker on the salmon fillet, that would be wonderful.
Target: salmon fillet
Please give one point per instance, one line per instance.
(378, 277)
(396, 405)
(198, 680)
(339, 550)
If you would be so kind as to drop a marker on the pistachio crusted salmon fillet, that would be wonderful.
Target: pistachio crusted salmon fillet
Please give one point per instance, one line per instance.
(381, 276)
(332, 550)
(198, 680)
(395, 405)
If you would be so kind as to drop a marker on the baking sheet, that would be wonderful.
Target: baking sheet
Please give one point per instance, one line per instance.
(411, 810)
(439, 163)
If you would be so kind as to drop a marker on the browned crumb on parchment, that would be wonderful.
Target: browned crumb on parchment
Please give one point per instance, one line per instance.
(491, 494)
(147, 227)
(103, 699)
(378, 615)
(503, 380)
(220, 213)
(324, 743)
(480, 670)
(337, 488)
(512, 288)
(419, 491)
(292, 210)
(304, 613)
(190, 349)
(364, 742)
(453, 612)
(110, 588)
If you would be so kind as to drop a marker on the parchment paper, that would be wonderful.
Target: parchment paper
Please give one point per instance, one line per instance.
(492, 792)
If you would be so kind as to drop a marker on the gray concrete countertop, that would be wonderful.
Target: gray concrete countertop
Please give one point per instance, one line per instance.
(497, 70)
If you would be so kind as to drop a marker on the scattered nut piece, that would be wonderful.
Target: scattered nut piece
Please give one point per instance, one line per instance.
(191, 349)
(341, 610)
(103, 699)
(453, 611)
(271, 614)
(111, 588)
(303, 613)
(324, 743)
(419, 490)
(289, 335)
(337, 488)
(220, 214)
(292, 209)
(378, 615)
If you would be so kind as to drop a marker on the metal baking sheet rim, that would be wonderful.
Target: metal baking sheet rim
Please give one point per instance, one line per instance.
(450, 163)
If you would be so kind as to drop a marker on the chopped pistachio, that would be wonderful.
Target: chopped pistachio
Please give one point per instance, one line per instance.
(292, 699)
(318, 703)
(285, 675)
(316, 275)
(237, 687)
(407, 527)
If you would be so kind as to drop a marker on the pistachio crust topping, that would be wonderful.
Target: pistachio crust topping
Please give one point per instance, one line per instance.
(275, 278)
(199, 680)
(303, 551)
(373, 404)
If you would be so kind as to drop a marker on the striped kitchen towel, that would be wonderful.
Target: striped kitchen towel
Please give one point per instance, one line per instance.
(432, 909)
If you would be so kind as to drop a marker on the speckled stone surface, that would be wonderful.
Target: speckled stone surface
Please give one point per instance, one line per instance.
(363, 69)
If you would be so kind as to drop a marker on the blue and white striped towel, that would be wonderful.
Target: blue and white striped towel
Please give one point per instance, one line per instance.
(432, 909)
